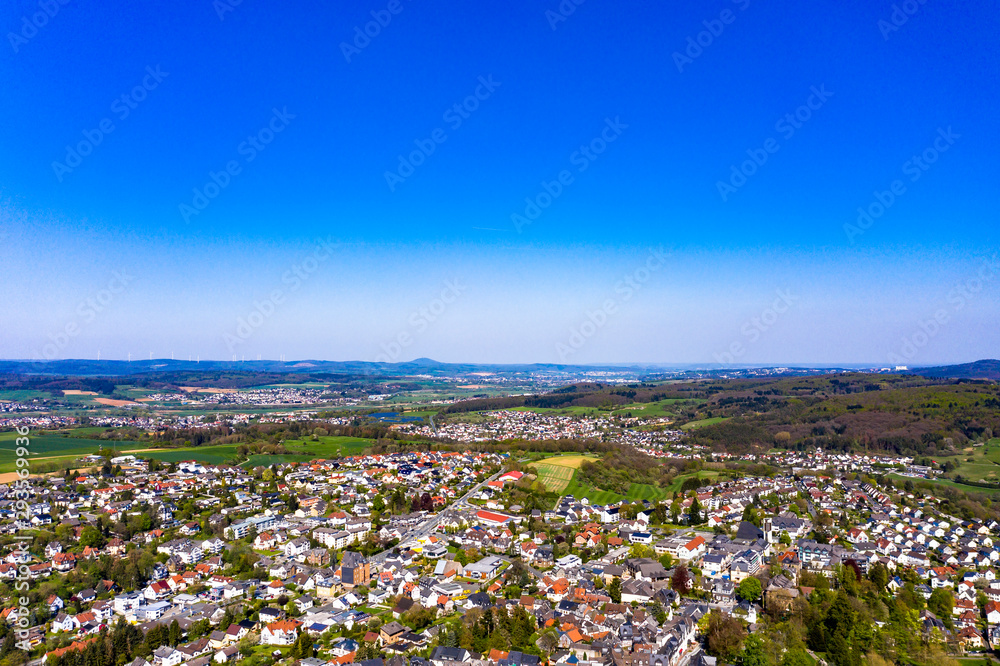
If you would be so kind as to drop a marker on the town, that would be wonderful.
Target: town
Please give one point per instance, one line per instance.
(427, 557)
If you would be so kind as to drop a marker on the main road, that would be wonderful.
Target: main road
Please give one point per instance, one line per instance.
(431, 524)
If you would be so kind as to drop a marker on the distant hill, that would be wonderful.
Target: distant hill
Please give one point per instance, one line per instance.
(984, 369)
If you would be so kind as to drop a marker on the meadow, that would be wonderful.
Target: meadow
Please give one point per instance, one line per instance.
(48, 446)
(693, 425)
(52, 451)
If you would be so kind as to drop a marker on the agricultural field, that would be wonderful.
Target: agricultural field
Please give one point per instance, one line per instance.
(329, 446)
(556, 472)
(55, 447)
(210, 455)
(21, 395)
(55, 450)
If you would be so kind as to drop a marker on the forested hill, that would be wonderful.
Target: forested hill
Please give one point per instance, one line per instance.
(904, 414)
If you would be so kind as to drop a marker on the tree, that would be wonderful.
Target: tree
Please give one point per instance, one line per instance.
(753, 652)
(725, 636)
(694, 513)
(941, 603)
(681, 580)
(91, 536)
(174, 633)
(879, 576)
(750, 589)
(615, 590)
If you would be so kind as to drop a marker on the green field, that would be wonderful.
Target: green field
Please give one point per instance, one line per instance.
(556, 472)
(659, 409)
(55, 447)
(691, 425)
(53, 450)
(266, 460)
(707, 475)
(951, 484)
(19, 395)
(210, 455)
(636, 492)
(980, 463)
(330, 446)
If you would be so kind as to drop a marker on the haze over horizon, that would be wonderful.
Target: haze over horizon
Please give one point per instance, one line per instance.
(636, 242)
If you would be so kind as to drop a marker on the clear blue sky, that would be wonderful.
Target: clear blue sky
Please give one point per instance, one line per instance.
(313, 130)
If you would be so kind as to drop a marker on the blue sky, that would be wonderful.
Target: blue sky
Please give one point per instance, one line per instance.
(243, 135)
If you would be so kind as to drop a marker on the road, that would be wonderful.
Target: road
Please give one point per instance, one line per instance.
(431, 524)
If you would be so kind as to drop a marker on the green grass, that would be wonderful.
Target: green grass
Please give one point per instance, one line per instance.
(50, 445)
(691, 425)
(329, 446)
(644, 491)
(19, 395)
(981, 463)
(59, 450)
(210, 455)
(556, 472)
(595, 495)
(659, 409)
(266, 460)
(951, 484)
(636, 492)
(707, 476)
